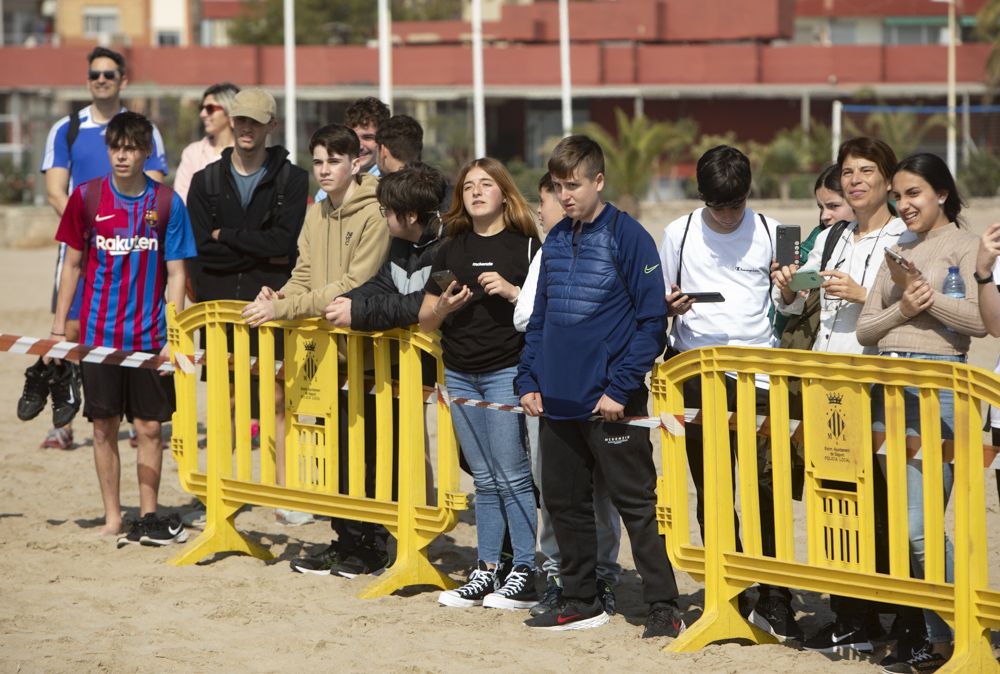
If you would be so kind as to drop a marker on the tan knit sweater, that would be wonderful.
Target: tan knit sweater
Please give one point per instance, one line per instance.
(883, 323)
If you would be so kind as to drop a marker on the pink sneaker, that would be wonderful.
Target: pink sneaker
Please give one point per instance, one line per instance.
(59, 438)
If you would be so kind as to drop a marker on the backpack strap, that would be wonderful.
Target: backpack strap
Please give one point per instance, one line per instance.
(73, 131)
(836, 231)
(680, 253)
(213, 179)
(614, 257)
(280, 182)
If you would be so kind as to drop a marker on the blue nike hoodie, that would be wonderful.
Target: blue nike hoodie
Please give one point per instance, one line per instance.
(599, 319)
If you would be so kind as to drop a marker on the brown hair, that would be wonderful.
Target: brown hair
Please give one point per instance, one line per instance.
(576, 152)
(873, 150)
(517, 215)
(129, 128)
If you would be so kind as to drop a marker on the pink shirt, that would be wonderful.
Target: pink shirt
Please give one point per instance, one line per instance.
(195, 157)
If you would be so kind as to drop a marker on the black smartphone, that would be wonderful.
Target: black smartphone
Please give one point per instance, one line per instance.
(443, 278)
(705, 297)
(786, 246)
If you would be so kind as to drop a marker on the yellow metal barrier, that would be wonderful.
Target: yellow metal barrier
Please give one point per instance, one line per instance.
(840, 551)
(313, 375)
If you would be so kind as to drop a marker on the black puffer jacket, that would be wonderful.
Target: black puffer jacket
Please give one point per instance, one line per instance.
(256, 247)
(392, 298)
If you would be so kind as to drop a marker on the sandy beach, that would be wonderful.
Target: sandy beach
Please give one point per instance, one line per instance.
(72, 602)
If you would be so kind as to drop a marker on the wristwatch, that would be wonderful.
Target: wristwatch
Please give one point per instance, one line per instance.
(983, 281)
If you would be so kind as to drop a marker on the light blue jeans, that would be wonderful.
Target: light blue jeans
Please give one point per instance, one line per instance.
(494, 445)
(609, 528)
(937, 629)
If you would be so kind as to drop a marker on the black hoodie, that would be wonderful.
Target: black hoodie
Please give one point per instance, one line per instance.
(256, 246)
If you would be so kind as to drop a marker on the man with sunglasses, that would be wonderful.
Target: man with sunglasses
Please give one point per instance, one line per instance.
(727, 248)
(75, 152)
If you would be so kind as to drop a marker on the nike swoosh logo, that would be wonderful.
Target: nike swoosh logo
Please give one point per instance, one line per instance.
(563, 619)
(837, 638)
(173, 531)
(102, 218)
(651, 269)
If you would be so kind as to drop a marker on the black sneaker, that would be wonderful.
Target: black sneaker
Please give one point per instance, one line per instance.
(517, 591)
(606, 595)
(550, 600)
(321, 564)
(163, 530)
(135, 531)
(910, 639)
(364, 560)
(571, 614)
(664, 620)
(838, 638)
(36, 391)
(482, 581)
(774, 614)
(64, 386)
(924, 659)
(504, 567)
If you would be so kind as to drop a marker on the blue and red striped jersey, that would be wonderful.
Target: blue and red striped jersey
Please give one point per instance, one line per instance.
(125, 263)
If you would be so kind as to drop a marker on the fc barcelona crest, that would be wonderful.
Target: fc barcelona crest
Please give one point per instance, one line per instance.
(150, 218)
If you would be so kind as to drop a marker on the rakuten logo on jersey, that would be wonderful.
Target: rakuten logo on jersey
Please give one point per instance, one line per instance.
(123, 245)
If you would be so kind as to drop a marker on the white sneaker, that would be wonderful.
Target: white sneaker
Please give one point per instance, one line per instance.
(292, 518)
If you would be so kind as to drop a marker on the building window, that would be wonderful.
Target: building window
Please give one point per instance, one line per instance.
(100, 22)
(168, 38)
(843, 31)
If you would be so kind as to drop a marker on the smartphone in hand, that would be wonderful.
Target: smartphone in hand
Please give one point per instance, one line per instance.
(444, 278)
(805, 280)
(786, 246)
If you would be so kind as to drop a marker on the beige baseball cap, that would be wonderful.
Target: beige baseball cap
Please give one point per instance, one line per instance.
(256, 104)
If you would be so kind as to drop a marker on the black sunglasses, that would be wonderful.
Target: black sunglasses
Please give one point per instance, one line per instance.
(109, 75)
(211, 108)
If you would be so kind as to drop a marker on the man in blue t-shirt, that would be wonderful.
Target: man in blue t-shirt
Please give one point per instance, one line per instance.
(75, 152)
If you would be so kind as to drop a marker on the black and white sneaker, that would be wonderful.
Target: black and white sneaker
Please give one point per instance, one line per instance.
(841, 639)
(482, 581)
(320, 564)
(923, 660)
(36, 391)
(606, 595)
(64, 387)
(163, 530)
(774, 614)
(664, 620)
(572, 614)
(550, 600)
(910, 638)
(518, 590)
(135, 531)
(362, 561)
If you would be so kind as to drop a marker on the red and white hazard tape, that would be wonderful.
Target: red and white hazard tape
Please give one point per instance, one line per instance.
(675, 425)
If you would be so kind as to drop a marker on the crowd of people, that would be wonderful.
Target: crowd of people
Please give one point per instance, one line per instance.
(568, 329)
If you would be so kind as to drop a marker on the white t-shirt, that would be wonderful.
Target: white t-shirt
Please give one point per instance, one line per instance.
(861, 260)
(737, 265)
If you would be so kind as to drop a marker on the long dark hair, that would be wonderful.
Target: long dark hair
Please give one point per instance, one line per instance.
(830, 179)
(935, 171)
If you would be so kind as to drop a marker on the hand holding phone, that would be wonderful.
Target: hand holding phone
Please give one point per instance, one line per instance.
(901, 270)
(705, 297)
(805, 280)
(444, 278)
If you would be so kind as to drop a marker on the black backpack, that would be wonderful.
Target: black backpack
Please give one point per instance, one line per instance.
(213, 183)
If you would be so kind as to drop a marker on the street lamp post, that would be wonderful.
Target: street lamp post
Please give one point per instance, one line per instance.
(952, 158)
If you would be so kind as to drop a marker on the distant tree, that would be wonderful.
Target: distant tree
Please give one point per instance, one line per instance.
(637, 152)
(988, 28)
(330, 22)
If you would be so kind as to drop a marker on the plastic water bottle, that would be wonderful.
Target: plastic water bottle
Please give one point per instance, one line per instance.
(953, 286)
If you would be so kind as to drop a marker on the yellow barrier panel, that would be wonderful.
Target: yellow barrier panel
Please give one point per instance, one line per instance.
(838, 445)
(311, 387)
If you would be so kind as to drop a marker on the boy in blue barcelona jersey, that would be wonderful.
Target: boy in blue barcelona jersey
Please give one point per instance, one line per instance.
(127, 236)
(598, 324)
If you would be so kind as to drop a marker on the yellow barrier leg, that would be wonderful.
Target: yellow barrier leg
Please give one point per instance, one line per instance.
(411, 566)
(721, 619)
(220, 535)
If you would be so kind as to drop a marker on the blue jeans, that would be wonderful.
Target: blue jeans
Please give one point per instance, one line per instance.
(937, 629)
(495, 448)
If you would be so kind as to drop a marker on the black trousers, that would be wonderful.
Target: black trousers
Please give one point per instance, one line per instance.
(570, 452)
(351, 533)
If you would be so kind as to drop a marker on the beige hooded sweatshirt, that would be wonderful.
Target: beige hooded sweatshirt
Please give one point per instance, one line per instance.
(339, 249)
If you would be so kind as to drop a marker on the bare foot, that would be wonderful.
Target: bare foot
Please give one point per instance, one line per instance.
(110, 529)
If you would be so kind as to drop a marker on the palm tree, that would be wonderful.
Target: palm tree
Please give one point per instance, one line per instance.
(637, 152)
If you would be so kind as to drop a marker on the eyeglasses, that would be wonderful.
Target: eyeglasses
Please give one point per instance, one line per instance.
(109, 75)
(211, 108)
